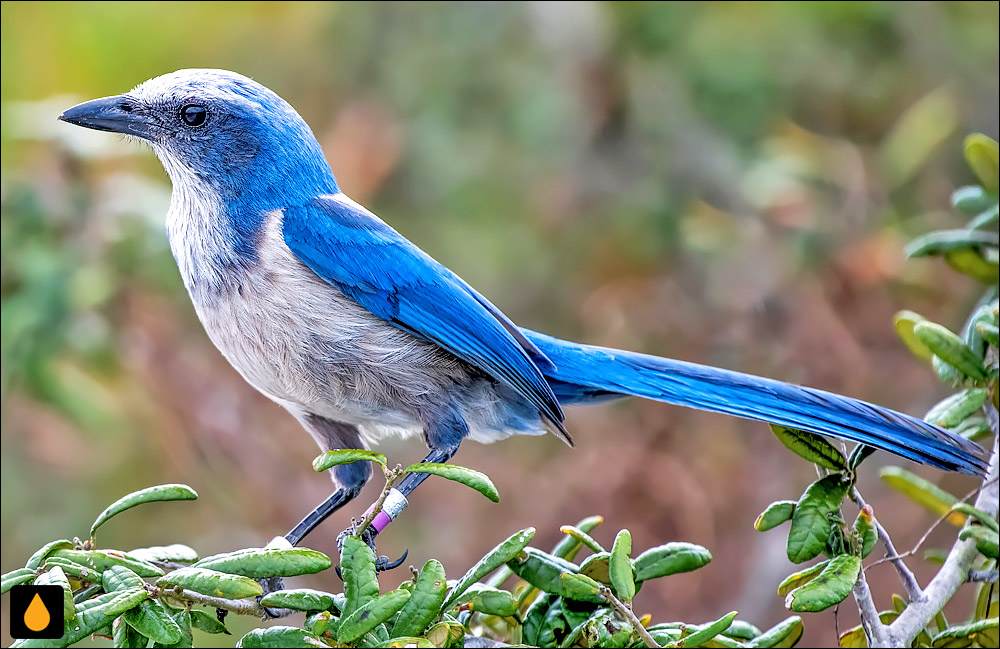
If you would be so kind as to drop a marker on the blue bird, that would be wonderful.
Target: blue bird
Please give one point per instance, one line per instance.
(359, 334)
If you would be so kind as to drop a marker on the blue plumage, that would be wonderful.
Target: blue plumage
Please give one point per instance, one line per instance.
(360, 334)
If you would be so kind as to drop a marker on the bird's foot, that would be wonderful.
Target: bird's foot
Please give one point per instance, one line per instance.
(382, 563)
(270, 585)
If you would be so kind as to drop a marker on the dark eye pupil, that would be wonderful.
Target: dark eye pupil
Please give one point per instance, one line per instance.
(194, 115)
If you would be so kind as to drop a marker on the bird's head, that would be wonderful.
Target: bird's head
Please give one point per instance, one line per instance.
(218, 131)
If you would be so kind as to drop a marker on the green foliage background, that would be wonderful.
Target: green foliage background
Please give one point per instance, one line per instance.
(726, 183)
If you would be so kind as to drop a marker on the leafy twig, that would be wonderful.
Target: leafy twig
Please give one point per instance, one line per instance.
(955, 570)
(629, 616)
(876, 631)
(238, 606)
(910, 585)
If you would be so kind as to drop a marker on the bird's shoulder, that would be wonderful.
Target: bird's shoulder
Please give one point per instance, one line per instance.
(369, 261)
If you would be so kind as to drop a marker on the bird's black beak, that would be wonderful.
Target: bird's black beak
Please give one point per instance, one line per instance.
(118, 114)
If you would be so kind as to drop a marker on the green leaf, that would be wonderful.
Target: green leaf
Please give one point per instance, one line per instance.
(811, 523)
(620, 567)
(944, 241)
(148, 495)
(446, 634)
(425, 601)
(987, 540)
(956, 636)
(469, 477)
(101, 560)
(544, 571)
(176, 553)
(260, 563)
(579, 586)
(298, 599)
(279, 637)
(950, 412)
(830, 587)
(978, 514)
(990, 333)
(972, 199)
(741, 630)
(568, 547)
(981, 153)
(82, 573)
(581, 536)
(951, 349)
(535, 618)
(859, 454)
(212, 583)
(865, 531)
(978, 263)
(357, 565)
(495, 558)
(707, 632)
(120, 578)
(124, 635)
(371, 614)
(56, 577)
(409, 641)
(43, 553)
(904, 321)
(331, 459)
(670, 559)
(784, 634)
(151, 619)
(207, 623)
(776, 513)
(598, 567)
(796, 579)
(922, 492)
(15, 578)
(488, 601)
(810, 446)
(986, 218)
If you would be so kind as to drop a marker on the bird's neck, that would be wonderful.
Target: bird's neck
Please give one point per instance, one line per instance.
(212, 252)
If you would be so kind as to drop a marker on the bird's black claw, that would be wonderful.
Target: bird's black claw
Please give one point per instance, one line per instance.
(382, 563)
(270, 585)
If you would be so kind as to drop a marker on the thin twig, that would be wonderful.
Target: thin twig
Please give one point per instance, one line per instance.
(876, 632)
(238, 606)
(984, 576)
(627, 613)
(910, 585)
(955, 570)
(912, 551)
(390, 479)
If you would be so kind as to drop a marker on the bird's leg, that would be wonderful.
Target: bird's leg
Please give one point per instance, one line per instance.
(335, 501)
(393, 504)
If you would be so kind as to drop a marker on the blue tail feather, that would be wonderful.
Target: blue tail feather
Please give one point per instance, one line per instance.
(586, 374)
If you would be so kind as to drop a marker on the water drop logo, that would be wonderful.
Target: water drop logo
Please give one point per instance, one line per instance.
(37, 617)
(36, 612)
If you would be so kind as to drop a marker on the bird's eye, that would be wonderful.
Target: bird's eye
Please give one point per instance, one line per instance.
(194, 115)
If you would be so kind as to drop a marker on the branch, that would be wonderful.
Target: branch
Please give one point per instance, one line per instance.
(876, 632)
(627, 613)
(955, 570)
(910, 585)
(238, 606)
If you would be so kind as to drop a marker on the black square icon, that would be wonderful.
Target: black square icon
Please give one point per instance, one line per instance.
(36, 612)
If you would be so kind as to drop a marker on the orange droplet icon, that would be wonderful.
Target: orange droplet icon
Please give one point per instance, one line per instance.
(36, 616)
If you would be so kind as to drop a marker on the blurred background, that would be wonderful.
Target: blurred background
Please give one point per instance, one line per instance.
(726, 183)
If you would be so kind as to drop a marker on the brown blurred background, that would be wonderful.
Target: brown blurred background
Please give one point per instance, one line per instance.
(727, 183)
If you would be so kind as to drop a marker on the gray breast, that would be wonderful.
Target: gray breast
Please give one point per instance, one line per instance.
(303, 343)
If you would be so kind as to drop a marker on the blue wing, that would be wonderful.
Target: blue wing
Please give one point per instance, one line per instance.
(377, 267)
